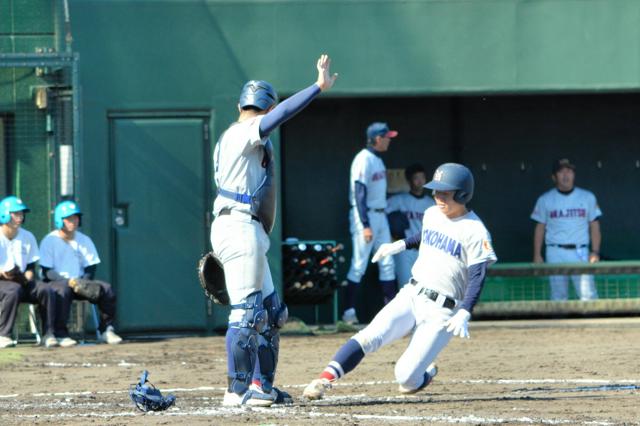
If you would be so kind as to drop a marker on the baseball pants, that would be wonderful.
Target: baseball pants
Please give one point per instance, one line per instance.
(559, 284)
(396, 320)
(11, 294)
(362, 250)
(241, 244)
(65, 297)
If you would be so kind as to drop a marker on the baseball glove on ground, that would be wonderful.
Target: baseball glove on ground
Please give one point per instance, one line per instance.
(15, 275)
(211, 276)
(87, 289)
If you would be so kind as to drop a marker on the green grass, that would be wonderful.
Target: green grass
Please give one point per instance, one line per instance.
(10, 356)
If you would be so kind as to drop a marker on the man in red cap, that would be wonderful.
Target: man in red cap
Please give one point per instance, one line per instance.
(367, 219)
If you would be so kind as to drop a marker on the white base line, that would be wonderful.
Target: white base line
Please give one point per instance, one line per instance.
(349, 384)
(296, 411)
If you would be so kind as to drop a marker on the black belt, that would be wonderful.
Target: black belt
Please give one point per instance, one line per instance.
(568, 246)
(449, 303)
(227, 211)
(372, 210)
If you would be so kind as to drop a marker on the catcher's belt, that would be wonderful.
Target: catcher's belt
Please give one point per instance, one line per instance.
(211, 277)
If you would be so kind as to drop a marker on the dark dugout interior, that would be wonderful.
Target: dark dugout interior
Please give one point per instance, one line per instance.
(508, 141)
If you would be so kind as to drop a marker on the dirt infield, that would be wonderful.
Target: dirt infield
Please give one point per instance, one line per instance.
(519, 372)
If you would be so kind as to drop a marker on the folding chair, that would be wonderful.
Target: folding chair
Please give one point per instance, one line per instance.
(31, 323)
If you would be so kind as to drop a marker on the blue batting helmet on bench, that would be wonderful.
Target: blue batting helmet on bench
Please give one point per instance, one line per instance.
(11, 204)
(64, 210)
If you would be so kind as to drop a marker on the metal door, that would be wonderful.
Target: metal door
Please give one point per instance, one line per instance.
(160, 164)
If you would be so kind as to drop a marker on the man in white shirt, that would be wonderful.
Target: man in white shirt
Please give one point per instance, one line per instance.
(567, 219)
(408, 207)
(18, 256)
(68, 255)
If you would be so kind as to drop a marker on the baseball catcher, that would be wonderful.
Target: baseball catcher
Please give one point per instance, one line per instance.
(211, 276)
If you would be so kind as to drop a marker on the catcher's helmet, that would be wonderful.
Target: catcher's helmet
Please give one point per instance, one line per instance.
(11, 204)
(453, 177)
(63, 210)
(259, 94)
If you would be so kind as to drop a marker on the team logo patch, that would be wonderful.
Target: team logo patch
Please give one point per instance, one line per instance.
(487, 245)
(437, 175)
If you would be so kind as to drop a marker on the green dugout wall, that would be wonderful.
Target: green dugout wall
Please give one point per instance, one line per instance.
(503, 85)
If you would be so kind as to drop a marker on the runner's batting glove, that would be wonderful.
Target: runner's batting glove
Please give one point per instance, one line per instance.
(389, 249)
(459, 324)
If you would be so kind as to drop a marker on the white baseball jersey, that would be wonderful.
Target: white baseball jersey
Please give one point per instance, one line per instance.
(369, 169)
(237, 162)
(447, 248)
(566, 216)
(68, 258)
(414, 208)
(20, 251)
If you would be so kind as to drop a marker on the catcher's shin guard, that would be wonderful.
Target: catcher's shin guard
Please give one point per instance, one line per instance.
(242, 357)
(242, 342)
(269, 340)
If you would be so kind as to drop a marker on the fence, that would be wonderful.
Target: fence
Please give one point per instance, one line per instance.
(522, 290)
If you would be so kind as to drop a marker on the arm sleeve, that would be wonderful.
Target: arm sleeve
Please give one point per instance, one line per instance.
(44, 270)
(477, 273)
(413, 241)
(361, 203)
(90, 272)
(287, 109)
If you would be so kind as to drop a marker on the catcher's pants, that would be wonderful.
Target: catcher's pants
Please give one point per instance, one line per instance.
(404, 261)
(241, 244)
(65, 296)
(11, 294)
(362, 250)
(406, 311)
(559, 284)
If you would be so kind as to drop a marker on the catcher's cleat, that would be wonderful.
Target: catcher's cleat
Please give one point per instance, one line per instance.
(250, 397)
(278, 396)
(109, 336)
(317, 388)
(432, 371)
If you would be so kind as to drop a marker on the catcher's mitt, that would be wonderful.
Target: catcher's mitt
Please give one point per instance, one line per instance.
(148, 397)
(87, 289)
(211, 276)
(16, 275)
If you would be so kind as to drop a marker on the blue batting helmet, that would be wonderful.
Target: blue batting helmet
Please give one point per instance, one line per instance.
(64, 210)
(453, 177)
(11, 204)
(259, 94)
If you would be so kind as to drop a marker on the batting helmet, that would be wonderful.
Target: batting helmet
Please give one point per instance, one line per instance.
(453, 177)
(11, 204)
(64, 210)
(258, 94)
